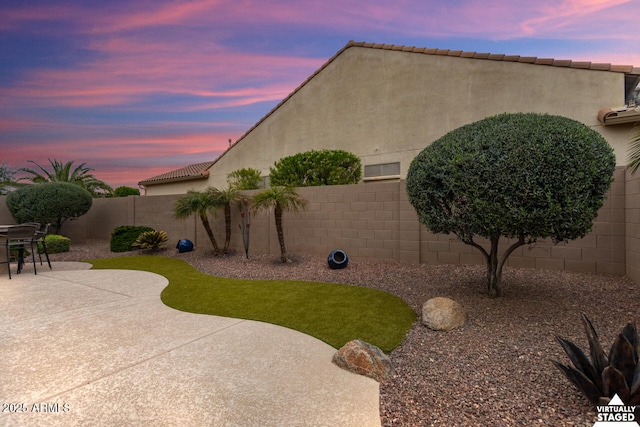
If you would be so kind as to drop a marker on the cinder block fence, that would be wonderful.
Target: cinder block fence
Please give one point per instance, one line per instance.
(375, 222)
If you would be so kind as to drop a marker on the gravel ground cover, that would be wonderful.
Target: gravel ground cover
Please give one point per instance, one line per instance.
(495, 370)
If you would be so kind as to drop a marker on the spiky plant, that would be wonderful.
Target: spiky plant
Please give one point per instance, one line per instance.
(153, 240)
(602, 376)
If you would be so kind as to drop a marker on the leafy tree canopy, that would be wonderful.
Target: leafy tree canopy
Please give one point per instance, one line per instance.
(245, 179)
(522, 176)
(313, 168)
(124, 191)
(49, 202)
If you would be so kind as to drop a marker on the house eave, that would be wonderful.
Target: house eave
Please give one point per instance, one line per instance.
(618, 116)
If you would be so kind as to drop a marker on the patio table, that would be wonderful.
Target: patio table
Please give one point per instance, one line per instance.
(4, 229)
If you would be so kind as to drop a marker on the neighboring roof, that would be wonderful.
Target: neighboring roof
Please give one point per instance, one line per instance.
(187, 173)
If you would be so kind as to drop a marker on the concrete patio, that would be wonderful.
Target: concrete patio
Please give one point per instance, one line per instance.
(98, 347)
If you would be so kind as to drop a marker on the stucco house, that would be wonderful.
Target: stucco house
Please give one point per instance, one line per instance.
(385, 103)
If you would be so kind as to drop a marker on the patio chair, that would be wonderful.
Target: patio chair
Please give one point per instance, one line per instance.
(16, 238)
(39, 240)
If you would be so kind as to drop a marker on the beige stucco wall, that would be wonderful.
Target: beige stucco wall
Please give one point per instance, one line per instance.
(180, 187)
(386, 106)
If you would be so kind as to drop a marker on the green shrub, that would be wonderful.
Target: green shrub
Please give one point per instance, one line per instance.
(123, 237)
(153, 240)
(49, 202)
(245, 179)
(520, 176)
(55, 244)
(124, 191)
(313, 168)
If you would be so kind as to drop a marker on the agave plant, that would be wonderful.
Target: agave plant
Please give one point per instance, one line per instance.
(151, 240)
(602, 376)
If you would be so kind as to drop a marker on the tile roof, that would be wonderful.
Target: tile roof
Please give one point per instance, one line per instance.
(187, 173)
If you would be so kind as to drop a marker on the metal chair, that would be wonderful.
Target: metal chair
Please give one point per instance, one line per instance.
(39, 240)
(17, 238)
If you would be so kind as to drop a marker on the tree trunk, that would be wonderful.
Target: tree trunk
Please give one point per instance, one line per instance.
(493, 274)
(207, 227)
(494, 266)
(278, 217)
(227, 224)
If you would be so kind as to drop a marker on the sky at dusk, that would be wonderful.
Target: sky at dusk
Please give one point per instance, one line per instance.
(136, 88)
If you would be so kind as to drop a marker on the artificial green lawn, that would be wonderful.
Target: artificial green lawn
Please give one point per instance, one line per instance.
(333, 313)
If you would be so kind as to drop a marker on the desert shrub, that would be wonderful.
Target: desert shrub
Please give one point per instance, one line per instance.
(124, 191)
(313, 168)
(245, 179)
(123, 237)
(151, 240)
(604, 375)
(49, 202)
(55, 244)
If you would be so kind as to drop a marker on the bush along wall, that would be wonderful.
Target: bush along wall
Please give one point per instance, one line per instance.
(55, 244)
(123, 237)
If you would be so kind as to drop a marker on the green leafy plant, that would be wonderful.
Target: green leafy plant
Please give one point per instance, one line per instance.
(80, 176)
(280, 199)
(313, 168)
(153, 240)
(199, 203)
(55, 244)
(634, 150)
(124, 191)
(123, 237)
(603, 376)
(520, 176)
(223, 200)
(245, 179)
(49, 202)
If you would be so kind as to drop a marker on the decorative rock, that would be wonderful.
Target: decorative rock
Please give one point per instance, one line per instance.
(365, 359)
(442, 314)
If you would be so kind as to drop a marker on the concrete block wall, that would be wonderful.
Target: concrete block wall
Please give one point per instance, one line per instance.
(632, 231)
(375, 222)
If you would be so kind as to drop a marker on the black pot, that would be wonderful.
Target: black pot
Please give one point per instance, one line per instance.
(338, 259)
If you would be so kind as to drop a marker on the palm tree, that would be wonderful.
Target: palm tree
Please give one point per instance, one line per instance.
(634, 150)
(281, 199)
(223, 199)
(198, 203)
(80, 175)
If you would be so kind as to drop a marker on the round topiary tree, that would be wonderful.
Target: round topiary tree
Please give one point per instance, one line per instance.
(521, 176)
(313, 168)
(49, 202)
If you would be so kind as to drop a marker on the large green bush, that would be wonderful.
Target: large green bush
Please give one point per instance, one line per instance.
(49, 202)
(313, 168)
(521, 176)
(123, 237)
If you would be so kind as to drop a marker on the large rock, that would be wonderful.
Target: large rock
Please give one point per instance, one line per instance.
(365, 359)
(442, 314)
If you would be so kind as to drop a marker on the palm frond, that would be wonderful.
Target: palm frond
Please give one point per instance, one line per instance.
(633, 153)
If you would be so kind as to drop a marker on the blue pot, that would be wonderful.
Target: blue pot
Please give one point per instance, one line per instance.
(338, 259)
(184, 245)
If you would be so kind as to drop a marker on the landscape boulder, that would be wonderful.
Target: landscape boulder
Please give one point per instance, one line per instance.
(365, 359)
(442, 314)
